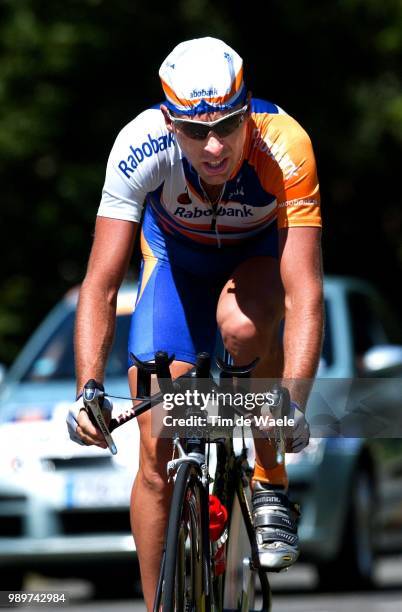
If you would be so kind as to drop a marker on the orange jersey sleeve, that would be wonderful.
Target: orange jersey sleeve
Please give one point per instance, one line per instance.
(282, 154)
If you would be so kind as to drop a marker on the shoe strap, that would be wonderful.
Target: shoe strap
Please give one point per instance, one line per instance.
(269, 535)
(274, 498)
(274, 519)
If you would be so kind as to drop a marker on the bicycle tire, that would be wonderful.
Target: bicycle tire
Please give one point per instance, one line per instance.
(183, 587)
(230, 486)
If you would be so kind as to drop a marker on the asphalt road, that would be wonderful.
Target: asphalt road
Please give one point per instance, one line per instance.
(293, 591)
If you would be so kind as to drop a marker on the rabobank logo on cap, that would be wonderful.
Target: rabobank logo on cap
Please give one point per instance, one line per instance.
(204, 93)
(207, 76)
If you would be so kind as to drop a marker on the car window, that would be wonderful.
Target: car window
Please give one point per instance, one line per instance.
(55, 361)
(391, 323)
(367, 328)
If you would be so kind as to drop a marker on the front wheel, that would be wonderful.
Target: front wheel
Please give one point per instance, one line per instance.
(183, 584)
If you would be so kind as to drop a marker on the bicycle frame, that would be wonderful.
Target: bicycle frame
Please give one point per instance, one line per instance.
(231, 486)
(232, 479)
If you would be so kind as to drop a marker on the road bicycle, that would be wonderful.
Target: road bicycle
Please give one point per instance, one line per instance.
(210, 559)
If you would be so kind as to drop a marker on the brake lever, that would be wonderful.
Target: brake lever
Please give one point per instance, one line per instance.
(93, 398)
(280, 410)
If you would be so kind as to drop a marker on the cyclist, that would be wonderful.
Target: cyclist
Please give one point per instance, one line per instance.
(230, 238)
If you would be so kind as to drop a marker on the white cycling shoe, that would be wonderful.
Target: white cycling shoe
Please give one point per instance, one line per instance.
(275, 521)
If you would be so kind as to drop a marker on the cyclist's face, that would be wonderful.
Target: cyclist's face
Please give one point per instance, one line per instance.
(215, 157)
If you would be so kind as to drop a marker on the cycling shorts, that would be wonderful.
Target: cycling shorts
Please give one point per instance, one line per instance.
(179, 289)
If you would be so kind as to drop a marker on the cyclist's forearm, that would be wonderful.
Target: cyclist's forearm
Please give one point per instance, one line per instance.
(303, 336)
(96, 313)
(94, 331)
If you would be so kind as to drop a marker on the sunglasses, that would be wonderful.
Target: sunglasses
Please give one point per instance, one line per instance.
(199, 130)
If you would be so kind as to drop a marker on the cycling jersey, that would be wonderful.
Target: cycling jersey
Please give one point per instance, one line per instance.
(189, 249)
(275, 181)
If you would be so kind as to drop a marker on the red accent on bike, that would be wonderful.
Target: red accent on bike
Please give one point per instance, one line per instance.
(218, 516)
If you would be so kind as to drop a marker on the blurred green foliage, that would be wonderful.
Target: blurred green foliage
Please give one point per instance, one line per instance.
(73, 73)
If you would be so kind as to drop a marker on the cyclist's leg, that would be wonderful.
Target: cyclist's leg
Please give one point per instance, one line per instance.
(250, 311)
(151, 494)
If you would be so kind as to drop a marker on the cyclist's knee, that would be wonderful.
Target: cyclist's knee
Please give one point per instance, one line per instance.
(154, 455)
(239, 334)
(154, 479)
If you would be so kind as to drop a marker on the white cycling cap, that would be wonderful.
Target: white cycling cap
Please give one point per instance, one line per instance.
(202, 75)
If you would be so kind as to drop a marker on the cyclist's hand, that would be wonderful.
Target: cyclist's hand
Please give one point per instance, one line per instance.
(298, 435)
(80, 427)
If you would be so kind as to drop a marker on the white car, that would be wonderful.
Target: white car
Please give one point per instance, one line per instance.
(64, 507)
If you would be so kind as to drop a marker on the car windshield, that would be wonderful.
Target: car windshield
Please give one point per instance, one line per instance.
(55, 361)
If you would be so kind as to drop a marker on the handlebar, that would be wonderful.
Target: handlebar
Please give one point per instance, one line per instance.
(94, 393)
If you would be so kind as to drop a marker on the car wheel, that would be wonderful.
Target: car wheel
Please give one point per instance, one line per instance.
(353, 567)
